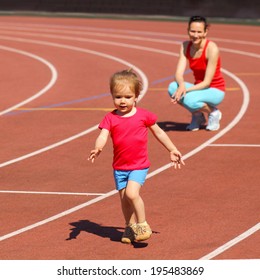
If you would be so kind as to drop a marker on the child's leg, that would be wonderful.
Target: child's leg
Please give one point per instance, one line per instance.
(142, 230)
(132, 193)
(130, 221)
(127, 208)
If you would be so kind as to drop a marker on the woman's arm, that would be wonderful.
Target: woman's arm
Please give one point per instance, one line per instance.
(179, 74)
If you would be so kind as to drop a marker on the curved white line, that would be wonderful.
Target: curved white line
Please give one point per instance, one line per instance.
(109, 57)
(84, 40)
(84, 50)
(193, 152)
(80, 39)
(49, 147)
(54, 76)
(246, 98)
(22, 26)
(121, 61)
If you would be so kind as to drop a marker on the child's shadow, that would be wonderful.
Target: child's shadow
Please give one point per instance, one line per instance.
(113, 233)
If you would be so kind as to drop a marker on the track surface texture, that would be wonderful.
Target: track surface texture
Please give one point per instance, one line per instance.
(56, 205)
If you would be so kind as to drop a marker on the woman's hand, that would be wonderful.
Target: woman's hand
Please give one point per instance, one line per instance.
(179, 93)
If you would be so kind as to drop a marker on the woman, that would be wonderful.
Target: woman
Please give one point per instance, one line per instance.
(208, 90)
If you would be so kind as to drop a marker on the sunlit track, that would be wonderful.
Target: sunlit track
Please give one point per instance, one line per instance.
(52, 69)
(81, 39)
(139, 71)
(96, 32)
(51, 193)
(95, 53)
(9, 36)
(58, 45)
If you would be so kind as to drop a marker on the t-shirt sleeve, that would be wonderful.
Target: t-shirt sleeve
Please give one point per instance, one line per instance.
(105, 123)
(151, 118)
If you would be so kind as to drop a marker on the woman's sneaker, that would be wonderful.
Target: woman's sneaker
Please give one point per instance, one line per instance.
(129, 234)
(214, 119)
(142, 232)
(197, 120)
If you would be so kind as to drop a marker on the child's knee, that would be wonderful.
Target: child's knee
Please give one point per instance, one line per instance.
(132, 194)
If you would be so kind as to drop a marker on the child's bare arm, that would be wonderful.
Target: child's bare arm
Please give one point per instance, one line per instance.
(99, 145)
(163, 138)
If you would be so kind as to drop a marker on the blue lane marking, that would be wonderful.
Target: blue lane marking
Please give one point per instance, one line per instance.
(61, 104)
(169, 78)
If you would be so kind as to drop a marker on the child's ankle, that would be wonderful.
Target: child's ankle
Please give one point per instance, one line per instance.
(142, 223)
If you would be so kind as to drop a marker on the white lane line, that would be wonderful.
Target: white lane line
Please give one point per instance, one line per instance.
(49, 193)
(236, 120)
(54, 76)
(55, 217)
(231, 243)
(235, 145)
(193, 152)
(121, 61)
(49, 147)
(144, 78)
(81, 39)
(204, 145)
(108, 31)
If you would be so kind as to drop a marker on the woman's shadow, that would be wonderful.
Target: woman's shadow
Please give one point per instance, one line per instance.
(113, 233)
(175, 126)
(170, 126)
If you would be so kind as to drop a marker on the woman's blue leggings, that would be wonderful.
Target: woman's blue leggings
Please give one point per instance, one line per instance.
(195, 100)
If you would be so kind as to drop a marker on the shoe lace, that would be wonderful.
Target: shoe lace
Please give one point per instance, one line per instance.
(141, 229)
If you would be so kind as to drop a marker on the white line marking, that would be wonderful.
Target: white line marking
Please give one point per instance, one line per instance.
(49, 147)
(80, 39)
(144, 78)
(121, 61)
(55, 217)
(204, 145)
(232, 242)
(235, 145)
(193, 152)
(54, 76)
(47, 193)
(24, 26)
(74, 38)
(223, 131)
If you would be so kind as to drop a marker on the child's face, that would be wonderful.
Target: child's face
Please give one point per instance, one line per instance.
(124, 98)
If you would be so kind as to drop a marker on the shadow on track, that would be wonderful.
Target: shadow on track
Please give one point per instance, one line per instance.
(113, 233)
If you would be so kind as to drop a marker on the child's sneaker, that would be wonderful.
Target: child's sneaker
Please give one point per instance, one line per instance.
(129, 234)
(214, 119)
(197, 120)
(142, 232)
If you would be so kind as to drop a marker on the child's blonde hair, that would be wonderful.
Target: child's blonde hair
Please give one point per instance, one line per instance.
(118, 80)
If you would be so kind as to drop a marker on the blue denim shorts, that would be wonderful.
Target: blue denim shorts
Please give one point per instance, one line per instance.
(123, 176)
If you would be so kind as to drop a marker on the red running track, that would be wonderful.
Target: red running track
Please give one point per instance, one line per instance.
(54, 91)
